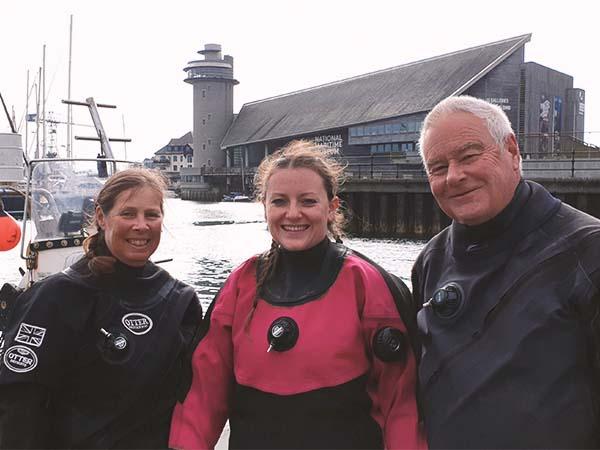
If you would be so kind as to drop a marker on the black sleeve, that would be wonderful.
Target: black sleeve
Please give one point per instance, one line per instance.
(25, 418)
(191, 324)
(192, 331)
(44, 333)
(417, 295)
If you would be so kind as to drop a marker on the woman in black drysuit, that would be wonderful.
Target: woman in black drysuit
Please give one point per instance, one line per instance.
(95, 356)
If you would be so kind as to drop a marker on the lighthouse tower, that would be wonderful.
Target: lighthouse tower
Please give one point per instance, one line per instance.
(212, 78)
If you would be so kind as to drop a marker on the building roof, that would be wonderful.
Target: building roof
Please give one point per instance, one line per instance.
(175, 143)
(397, 91)
(185, 139)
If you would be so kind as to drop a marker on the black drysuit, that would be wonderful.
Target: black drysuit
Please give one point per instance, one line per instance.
(96, 362)
(516, 364)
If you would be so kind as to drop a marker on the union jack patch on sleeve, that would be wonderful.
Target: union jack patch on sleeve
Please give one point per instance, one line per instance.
(30, 334)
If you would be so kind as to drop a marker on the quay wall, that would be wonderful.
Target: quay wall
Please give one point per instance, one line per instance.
(405, 208)
(200, 195)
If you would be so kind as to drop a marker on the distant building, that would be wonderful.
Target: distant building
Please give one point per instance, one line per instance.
(377, 114)
(172, 158)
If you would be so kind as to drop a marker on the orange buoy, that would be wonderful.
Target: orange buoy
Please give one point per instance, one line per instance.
(10, 232)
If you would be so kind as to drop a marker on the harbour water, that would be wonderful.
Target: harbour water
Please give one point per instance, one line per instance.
(203, 256)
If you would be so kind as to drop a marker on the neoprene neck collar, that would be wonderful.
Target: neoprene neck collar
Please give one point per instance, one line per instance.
(530, 208)
(304, 275)
(469, 235)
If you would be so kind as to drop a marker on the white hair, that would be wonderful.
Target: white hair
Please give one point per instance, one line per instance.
(495, 119)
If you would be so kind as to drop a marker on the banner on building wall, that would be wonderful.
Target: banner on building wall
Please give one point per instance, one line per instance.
(557, 115)
(556, 121)
(545, 107)
(502, 102)
(581, 103)
(334, 141)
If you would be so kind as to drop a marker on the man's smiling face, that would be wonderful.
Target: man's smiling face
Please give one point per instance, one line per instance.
(471, 177)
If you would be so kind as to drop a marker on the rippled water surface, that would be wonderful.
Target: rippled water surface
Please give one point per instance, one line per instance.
(203, 256)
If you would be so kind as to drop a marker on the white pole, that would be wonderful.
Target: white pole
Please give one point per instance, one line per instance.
(37, 115)
(69, 106)
(44, 99)
(26, 121)
(124, 143)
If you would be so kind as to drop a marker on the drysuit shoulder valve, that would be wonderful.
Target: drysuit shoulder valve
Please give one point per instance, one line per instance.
(446, 301)
(389, 344)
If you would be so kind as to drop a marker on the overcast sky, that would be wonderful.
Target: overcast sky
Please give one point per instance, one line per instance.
(132, 53)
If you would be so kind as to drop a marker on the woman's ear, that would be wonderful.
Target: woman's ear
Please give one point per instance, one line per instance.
(334, 204)
(100, 219)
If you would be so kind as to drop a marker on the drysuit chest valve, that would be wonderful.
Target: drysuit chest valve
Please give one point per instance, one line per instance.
(282, 334)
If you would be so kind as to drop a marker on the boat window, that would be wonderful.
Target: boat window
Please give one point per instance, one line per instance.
(62, 196)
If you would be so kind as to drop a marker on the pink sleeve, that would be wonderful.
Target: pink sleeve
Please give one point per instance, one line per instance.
(199, 421)
(392, 385)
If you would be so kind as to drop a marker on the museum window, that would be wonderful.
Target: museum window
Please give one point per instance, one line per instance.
(360, 131)
(378, 148)
(407, 147)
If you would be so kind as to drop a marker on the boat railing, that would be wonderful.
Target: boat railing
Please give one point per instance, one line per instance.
(43, 186)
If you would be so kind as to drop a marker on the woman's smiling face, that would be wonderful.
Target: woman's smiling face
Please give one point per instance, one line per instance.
(297, 208)
(133, 226)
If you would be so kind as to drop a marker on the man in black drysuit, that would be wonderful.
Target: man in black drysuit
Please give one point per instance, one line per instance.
(508, 295)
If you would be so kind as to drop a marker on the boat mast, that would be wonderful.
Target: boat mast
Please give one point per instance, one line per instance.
(124, 142)
(44, 99)
(69, 107)
(37, 115)
(10, 121)
(27, 118)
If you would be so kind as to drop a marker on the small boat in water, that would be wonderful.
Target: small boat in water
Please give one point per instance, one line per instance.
(236, 197)
(205, 223)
